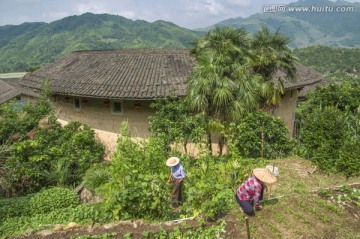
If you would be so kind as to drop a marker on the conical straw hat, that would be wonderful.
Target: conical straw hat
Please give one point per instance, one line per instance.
(172, 161)
(264, 175)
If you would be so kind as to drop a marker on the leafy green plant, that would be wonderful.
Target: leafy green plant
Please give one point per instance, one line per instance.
(54, 157)
(176, 123)
(81, 214)
(299, 187)
(329, 128)
(344, 97)
(20, 119)
(328, 206)
(52, 199)
(260, 134)
(209, 198)
(137, 188)
(14, 207)
(323, 133)
(6, 173)
(347, 195)
(211, 182)
(97, 175)
(349, 160)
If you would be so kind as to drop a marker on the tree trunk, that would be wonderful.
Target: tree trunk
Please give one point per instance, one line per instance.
(185, 146)
(209, 142)
(221, 144)
(262, 143)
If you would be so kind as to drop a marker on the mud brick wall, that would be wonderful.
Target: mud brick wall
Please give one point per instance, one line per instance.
(286, 109)
(99, 115)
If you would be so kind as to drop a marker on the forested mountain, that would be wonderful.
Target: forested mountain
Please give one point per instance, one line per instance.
(335, 63)
(307, 22)
(35, 44)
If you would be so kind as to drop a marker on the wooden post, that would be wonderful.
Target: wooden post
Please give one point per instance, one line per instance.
(270, 186)
(247, 227)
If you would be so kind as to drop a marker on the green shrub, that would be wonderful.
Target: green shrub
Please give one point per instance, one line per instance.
(260, 134)
(211, 183)
(138, 188)
(349, 160)
(15, 118)
(97, 175)
(141, 196)
(175, 122)
(329, 128)
(209, 198)
(54, 157)
(52, 199)
(344, 97)
(323, 133)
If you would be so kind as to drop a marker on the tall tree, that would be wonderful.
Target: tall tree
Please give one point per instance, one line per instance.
(234, 73)
(221, 84)
(270, 53)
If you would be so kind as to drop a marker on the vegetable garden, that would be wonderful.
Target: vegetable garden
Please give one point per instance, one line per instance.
(39, 171)
(133, 186)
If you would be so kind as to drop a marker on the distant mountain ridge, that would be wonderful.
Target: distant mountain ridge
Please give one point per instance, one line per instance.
(307, 22)
(38, 43)
(35, 44)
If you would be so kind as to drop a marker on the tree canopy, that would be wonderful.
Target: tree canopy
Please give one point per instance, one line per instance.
(234, 72)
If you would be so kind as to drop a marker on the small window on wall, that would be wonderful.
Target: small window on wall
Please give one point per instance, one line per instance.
(77, 103)
(116, 107)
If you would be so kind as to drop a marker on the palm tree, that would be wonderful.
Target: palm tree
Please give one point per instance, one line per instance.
(270, 53)
(221, 84)
(235, 73)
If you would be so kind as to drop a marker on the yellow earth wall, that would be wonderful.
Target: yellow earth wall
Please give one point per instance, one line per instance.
(99, 115)
(286, 110)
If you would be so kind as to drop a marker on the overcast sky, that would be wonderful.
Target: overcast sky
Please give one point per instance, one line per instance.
(186, 13)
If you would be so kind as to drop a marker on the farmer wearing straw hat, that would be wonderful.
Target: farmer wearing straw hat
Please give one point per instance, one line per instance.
(177, 174)
(251, 190)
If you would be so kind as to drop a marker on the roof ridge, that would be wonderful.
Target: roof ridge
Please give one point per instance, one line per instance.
(134, 50)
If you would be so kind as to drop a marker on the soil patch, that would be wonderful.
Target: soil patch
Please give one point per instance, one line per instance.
(114, 230)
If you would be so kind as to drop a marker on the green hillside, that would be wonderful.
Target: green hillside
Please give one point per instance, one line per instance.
(300, 32)
(35, 44)
(335, 63)
(337, 29)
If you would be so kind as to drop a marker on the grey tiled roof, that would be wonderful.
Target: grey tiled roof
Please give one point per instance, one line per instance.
(125, 73)
(130, 74)
(9, 89)
(7, 92)
(304, 76)
(312, 87)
